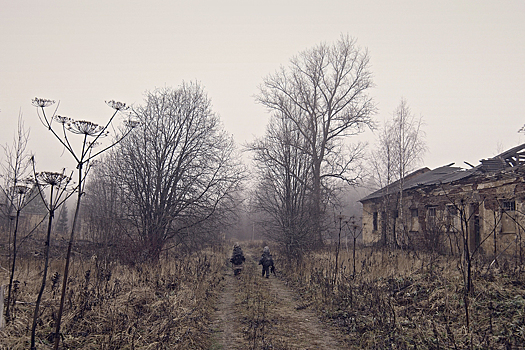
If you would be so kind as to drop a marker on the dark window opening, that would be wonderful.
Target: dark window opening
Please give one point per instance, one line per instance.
(508, 205)
(477, 231)
(508, 216)
(375, 221)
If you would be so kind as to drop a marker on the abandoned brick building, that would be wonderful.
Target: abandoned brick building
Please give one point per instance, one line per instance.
(444, 208)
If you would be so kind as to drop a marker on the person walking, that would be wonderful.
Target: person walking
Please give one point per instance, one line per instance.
(237, 259)
(267, 262)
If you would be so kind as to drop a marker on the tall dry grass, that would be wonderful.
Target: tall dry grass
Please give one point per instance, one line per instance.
(407, 300)
(113, 306)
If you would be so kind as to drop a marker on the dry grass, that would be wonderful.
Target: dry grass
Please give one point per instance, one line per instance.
(111, 306)
(403, 300)
(253, 302)
(397, 300)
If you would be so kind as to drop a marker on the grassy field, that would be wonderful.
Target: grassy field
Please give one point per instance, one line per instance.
(395, 300)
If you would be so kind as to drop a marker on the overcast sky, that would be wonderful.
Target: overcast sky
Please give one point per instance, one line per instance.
(459, 64)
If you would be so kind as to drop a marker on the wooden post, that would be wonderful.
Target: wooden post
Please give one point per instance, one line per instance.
(2, 321)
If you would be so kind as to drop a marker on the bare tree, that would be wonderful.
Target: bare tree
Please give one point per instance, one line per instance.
(178, 171)
(17, 194)
(409, 148)
(62, 220)
(400, 149)
(104, 210)
(283, 192)
(324, 94)
(383, 174)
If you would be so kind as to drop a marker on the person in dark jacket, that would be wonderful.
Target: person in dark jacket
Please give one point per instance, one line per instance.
(267, 262)
(237, 259)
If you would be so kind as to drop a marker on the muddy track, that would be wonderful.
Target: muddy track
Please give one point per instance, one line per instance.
(258, 313)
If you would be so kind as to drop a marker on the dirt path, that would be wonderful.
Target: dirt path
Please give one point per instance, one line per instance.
(226, 324)
(258, 313)
(301, 326)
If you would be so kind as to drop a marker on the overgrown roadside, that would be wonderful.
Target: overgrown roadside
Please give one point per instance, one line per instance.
(404, 300)
(258, 313)
(113, 306)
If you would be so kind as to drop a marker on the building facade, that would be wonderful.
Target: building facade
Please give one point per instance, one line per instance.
(450, 209)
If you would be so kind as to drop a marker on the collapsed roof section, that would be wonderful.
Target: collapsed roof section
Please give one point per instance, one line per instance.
(511, 158)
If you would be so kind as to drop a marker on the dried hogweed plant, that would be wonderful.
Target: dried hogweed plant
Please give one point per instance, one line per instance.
(91, 133)
(57, 186)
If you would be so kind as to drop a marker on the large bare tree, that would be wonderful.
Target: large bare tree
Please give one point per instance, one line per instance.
(178, 171)
(324, 94)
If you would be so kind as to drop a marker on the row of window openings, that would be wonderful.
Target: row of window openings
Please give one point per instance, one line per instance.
(451, 210)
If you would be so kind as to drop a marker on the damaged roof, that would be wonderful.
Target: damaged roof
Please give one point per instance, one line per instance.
(444, 174)
(510, 158)
(447, 174)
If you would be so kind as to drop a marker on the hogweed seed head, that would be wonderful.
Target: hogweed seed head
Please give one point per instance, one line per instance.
(21, 189)
(52, 178)
(85, 127)
(63, 120)
(94, 144)
(41, 102)
(130, 123)
(119, 106)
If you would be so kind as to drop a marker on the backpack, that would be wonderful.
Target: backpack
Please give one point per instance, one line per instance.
(237, 259)
(266, 260)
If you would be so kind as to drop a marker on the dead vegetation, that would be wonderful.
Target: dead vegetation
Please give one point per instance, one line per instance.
(396, 300)
(404, 300)
(252, 316)
(113, 306)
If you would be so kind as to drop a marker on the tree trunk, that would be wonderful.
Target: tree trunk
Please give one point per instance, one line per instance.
(2, 320)
(317, 204)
